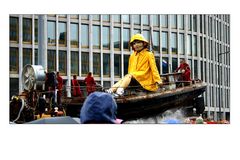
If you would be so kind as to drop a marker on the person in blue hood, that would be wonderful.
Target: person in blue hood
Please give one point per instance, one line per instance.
(99, 107)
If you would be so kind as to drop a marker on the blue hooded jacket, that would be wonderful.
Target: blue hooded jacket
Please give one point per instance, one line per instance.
(99, 107)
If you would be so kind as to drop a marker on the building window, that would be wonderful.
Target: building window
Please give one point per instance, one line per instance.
(84, 36)
(96, 64)
(201, 23)
(36, 56)
(174, 43)
(106, 38)
(156, 37)
(96, 37)
(27, 56)
(145, 20)
(14, 86)
(126, 19)
(85, 17)
(173, 21)
(106, 65)
(195, 69)
(165, 65)
(85, 63)
(117, 39)
(181, 22)
(189, 22)
(117, 18)
(157, 61)
(146, 35)
(63, 62)
(126, 60)
(117, 65)
(189, 45)
(155, 19)
(74, 63)
(164, 42)
(195, 23)
(174, 64)
(126, 37)
(106, 18)
(96, 17)
(106, 84)
(181, 44)
(164, 21)
(137, 31)
(201, 47)
(62, 33)
(51, 60)
(136, 19)
(36, 31)
(13, 60)
(195, 45)
(14, 29)
(51, 32)
(74, 34)
(27, 30)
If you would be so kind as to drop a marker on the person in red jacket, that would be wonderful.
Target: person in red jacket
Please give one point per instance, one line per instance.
(185, 70)
(76, 87)
(59, 87)
(90, 83)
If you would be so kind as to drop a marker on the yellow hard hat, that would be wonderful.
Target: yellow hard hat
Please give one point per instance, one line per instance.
(138, 37)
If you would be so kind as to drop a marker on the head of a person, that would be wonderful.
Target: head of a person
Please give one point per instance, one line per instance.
(74, 76)
(89, 74)
(58, 74)
(182, 61)
(138, 42)
(99, 108)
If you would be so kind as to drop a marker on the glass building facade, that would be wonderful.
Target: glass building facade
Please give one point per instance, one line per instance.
(77, 44)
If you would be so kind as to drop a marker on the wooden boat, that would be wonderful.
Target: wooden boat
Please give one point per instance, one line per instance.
(137, 103)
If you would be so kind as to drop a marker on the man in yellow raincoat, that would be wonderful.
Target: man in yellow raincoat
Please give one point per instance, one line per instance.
(141, 67)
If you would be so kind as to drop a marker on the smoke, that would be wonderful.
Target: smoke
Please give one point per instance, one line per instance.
(168, 117)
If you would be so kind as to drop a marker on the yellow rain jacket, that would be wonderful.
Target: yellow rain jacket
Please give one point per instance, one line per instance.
(143, 67)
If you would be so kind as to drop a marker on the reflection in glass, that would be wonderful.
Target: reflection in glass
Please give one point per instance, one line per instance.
(96, 36)
(62, 33)
(195, 45)
(174, 64)
(51, 60)
(36, 56)
(156, 36)
(27, 56)
(173, 21)
(145, 20)
(174, 43)
(96, 17)
(51, 32)
(126, 37)
(106, 37)
(181, 21)
(164, 43)
(36, 30)
(126, 18)
(136, 19)
(117, 38)
(13, 60)
(74, 62)
(85, 16)
(62, 62)
(117, 18)
(74, 34)
(195, 69)
(117, 65)
(106, 18)
(85, 63)
(136, 31)
(189, 22)
(126, 60)
(181, 44)
(84, 36)
(106, 65)
(189, 45)
(146, 35)
(27, 30)
(155, 20)
(165, 65)
(195, 23)
(13, 29)
(164, 21)
(96, 64)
